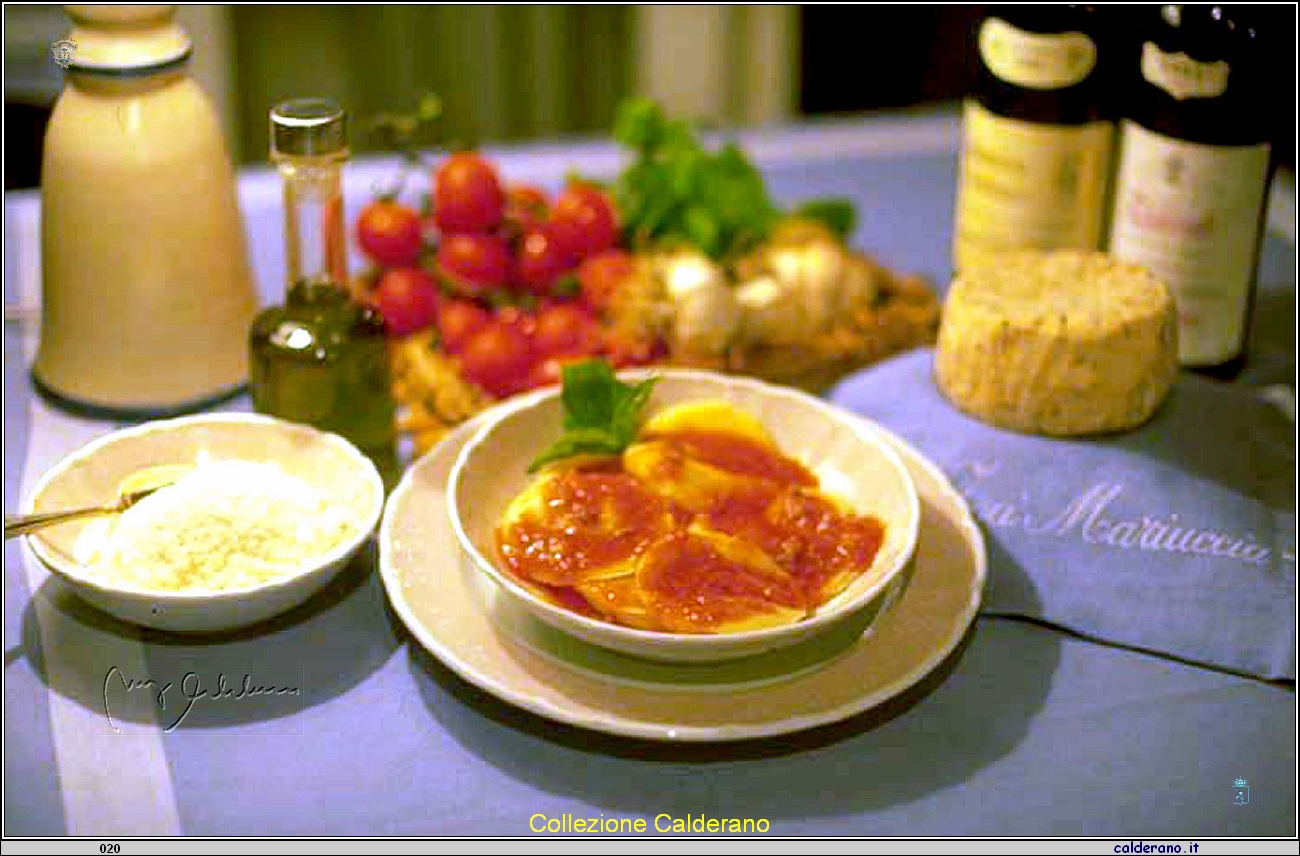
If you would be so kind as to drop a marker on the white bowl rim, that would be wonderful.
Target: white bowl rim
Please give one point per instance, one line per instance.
(340, 551)
(828, 612)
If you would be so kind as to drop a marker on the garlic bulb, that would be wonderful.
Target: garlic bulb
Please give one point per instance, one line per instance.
(706, 316)
(812, 274)
(769, 313)
(800, 283)
(859, 282)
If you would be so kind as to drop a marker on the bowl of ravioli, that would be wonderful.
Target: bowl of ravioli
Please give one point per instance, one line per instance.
(731, 518)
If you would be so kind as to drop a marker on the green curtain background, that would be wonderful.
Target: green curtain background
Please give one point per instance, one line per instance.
(502, 72)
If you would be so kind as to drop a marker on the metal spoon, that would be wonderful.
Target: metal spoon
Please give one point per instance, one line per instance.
(133, 488)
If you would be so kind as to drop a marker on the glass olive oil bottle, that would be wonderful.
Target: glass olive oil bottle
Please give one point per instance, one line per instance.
(1036, 135)
(321, 358)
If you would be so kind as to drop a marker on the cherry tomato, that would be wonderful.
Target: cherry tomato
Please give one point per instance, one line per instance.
(474, 264)
(407, 298)
(550, 371)
(498, 359)
(600, 276)
(541, 261)
(624, 352)
(458, 320)
(566, 329)
(389, 233)
(467, 195)
(526, 206)
(583, 220)
(519, 318)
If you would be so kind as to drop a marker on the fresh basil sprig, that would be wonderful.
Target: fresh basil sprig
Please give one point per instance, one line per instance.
(601, 413)
(838, 215)
(676, 190)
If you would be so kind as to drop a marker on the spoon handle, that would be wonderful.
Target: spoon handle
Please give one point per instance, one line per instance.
(21, 524)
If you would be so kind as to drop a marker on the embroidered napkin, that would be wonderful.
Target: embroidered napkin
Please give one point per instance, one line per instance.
(1178, 537)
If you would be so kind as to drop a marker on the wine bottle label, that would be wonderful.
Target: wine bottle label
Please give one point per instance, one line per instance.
(1189, 213)
(1028, 185)
(1181, 76)
(1036, 60)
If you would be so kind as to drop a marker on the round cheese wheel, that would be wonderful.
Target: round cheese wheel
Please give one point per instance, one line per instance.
(1060, 342)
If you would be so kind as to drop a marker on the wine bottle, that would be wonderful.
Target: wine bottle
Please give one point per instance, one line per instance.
(1036, 135)
(1193, 173)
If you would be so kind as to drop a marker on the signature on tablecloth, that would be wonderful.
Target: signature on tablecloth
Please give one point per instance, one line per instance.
(185, 694)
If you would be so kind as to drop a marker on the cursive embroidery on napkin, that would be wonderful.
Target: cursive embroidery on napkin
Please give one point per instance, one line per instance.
(1089, 517)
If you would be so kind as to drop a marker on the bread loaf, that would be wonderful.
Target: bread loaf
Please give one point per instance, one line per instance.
(1060, 342)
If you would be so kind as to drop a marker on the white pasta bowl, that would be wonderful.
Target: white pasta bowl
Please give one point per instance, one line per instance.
(848, 455)
(329, 464)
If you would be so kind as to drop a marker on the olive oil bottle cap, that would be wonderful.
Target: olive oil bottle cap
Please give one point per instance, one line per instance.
(308, 127)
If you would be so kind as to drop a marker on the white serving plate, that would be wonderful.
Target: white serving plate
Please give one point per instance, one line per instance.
(462, 618)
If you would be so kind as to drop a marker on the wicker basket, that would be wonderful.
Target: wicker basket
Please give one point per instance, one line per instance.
(905, 315)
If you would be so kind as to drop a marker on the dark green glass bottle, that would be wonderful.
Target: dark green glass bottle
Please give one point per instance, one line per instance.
(1191, 189)
(1037, 135)
(321, 358)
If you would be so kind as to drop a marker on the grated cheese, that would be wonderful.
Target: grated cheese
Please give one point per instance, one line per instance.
(228, 524)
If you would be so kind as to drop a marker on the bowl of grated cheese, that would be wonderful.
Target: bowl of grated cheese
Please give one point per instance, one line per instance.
(268, 514)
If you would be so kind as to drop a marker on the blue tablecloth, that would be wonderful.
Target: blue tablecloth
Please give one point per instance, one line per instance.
(1025, 731)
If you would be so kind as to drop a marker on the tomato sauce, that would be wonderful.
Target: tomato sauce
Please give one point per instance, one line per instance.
(564, 596)
(690, 586)
(739, 455)
(803, 532)
(599, 516)
(594, 519)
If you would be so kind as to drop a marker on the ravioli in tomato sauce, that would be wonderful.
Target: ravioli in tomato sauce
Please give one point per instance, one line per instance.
(703, 525)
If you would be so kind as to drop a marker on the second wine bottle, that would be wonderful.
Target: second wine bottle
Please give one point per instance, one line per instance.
(1037, 136)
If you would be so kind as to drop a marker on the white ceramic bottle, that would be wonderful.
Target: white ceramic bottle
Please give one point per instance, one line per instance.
(146, 292)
